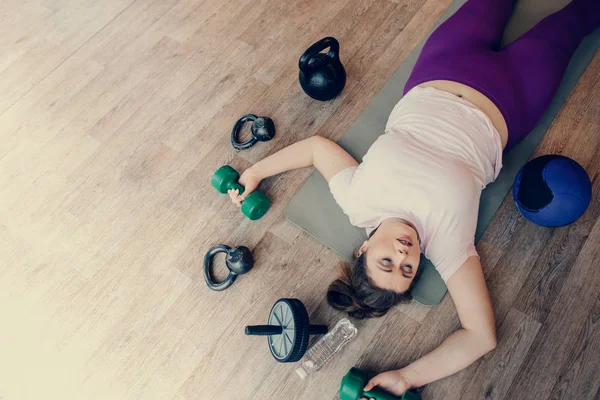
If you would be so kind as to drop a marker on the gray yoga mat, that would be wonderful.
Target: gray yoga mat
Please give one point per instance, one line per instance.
(313, 208)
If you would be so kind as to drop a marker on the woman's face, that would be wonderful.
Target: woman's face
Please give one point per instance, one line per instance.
(393, 255)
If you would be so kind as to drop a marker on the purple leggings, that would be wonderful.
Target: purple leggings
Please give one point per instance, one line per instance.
(522, 78)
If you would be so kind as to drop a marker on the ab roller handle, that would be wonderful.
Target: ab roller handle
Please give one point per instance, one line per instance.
(254, 206)
(269, 330)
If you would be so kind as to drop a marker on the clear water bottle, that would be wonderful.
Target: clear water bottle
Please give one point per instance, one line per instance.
(328, 346)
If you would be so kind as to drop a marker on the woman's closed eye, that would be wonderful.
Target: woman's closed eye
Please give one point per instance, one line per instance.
(406, 269)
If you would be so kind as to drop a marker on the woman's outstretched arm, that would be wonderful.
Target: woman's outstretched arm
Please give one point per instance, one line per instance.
(476, 337)
(327, 157)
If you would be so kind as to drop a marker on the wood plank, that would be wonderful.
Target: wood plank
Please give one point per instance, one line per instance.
(495, 372)
(415, 311)
(507, 278)
(567, 132)
(579, 376)
(63, 138)
(285, 231)
(60, 40)
(18, 29)
(544, 362)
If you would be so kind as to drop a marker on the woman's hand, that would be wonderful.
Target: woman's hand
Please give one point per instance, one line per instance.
(249, 180)
(394, 382)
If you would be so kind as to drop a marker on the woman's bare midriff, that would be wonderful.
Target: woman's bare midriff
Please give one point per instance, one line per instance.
(477, 98)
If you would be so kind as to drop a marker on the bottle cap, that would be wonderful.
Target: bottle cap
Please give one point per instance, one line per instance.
(301, 372)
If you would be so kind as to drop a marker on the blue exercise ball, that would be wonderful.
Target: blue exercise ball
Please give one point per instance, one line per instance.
(552, 190)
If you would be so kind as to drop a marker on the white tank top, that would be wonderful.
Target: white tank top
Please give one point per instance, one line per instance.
(437, 154)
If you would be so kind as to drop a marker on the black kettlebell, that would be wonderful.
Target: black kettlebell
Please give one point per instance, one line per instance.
(239, 261)
(263, 129)
(322, 76)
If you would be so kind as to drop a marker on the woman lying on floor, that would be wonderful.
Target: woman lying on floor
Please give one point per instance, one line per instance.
(418, 187)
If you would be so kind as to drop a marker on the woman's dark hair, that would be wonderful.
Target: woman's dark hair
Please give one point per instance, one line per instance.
(354, 293)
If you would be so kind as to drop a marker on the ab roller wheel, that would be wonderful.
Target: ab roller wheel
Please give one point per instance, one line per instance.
(354, 382)
(288, 330)
(256, 204)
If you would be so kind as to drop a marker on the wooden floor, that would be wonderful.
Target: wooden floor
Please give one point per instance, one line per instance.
(113, 116)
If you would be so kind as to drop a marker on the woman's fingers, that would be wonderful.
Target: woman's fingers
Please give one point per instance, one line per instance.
(235, 197)
(371, 384)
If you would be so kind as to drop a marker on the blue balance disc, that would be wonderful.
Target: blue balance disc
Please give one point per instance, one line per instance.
(552, 190)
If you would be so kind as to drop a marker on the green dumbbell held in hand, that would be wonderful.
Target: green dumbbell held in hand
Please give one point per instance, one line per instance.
(354, 382)
(254, 206)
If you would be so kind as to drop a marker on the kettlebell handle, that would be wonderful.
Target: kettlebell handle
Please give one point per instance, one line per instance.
(316, 48)
(239, 261)
(234, 132)
(221, 248)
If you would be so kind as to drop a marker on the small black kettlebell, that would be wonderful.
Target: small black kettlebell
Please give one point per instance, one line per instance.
(322, 76)
(263, 129)
(239, 261)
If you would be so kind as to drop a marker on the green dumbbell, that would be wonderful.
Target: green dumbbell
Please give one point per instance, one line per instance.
(256, 204)
(354, 382)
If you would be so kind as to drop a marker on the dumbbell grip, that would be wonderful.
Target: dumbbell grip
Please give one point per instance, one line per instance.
(235, 185)
(264, 330)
